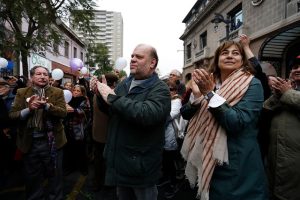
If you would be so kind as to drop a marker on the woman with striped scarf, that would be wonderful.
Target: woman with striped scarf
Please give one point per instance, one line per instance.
(220, 147)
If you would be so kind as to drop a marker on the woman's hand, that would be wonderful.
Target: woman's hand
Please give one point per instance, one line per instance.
(204, 81)
(195, 89)
(69, 108)
(244, 40)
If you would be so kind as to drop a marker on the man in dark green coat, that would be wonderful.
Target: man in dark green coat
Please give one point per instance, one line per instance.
(137, 109)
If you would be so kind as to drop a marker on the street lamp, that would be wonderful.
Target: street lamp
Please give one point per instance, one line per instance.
(218, 19)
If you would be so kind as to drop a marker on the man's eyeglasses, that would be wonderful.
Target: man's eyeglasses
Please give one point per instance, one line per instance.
(172, 74)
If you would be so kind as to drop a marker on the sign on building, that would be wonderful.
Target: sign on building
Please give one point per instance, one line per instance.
(37, 60)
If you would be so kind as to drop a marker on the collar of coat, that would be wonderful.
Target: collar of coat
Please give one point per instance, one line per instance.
(149, 82)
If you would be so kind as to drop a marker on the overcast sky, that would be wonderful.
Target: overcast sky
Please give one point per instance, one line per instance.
(154, 22)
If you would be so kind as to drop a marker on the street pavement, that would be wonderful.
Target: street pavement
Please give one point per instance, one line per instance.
(79, 187)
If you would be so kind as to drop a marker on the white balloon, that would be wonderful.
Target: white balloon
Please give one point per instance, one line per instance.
(3, 63)
(84, 70)
(67, 95)
(120, 64)
(57, 74)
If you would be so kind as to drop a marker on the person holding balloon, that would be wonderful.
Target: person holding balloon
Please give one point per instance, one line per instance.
(76, 122)
(39, 110)
(56, 78)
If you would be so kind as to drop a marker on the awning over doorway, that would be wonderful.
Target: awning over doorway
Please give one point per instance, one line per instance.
(275, 47)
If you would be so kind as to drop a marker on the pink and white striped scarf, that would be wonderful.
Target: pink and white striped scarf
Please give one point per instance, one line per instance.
(205, 144)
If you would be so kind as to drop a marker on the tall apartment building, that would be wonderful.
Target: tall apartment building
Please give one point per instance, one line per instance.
(272, 25)
(110, 25)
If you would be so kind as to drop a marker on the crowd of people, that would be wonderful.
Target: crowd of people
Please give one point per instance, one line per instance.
(231, 130)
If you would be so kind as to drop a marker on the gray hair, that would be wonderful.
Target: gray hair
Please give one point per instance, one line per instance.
(176, 72)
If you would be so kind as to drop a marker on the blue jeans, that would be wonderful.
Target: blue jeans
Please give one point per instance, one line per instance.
(36, 163)
(130, 193)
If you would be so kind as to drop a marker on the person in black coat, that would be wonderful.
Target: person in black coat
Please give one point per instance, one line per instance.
(265, 117)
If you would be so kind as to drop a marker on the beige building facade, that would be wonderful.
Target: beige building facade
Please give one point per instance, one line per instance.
(272, 25)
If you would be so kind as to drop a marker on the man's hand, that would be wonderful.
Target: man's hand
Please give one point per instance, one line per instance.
(36, 102)
(93, 84)
(104, 90)
(280, 85)
(103, 79)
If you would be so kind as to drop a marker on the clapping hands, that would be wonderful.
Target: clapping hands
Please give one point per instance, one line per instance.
(36, 102)
(101, 88)
(204, 81)
(280, 85)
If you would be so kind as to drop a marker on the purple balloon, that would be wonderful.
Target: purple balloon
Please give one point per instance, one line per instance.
(76, 64)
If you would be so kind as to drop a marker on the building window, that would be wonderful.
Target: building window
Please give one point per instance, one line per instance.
(67, 49)
(81, 56)
(236, 17)
(55, 48)
(203, 40)
(293, 7)
(189, 51)
(74, 52)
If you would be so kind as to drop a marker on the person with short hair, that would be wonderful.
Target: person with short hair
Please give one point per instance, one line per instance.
(175, 76)
(284, 148)
(137, 108)
(68, 86)
(39, 110)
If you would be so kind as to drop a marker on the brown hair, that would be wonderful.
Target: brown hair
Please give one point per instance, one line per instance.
(67, 83)
(82, 89)
(214, 68)
(173, 87)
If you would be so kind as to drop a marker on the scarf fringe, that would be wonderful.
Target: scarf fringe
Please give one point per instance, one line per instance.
(203, 195)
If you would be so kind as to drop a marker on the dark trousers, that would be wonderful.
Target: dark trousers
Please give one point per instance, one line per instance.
(130, 193)
(38, 167)
(99, 164)
(75, 156)
(168, 165)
